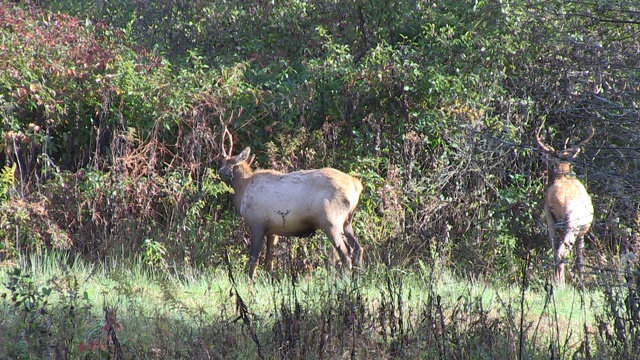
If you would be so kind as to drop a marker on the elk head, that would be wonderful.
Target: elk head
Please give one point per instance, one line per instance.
(229, 163)
(566, 155)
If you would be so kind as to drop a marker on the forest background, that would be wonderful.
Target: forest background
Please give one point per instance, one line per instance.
(112, 114)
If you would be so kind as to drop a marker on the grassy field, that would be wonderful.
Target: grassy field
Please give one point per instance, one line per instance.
(56, 307)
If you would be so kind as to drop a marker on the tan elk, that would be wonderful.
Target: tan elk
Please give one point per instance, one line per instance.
(567, 206)
(292, 204)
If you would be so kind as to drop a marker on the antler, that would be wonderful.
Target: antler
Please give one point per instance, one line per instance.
(544, 147)
(573, 151)
(225, 132)
(224, 136)
(567, 153)
(584, 142)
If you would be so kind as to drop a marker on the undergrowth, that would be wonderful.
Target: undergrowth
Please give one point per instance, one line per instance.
(56, 307)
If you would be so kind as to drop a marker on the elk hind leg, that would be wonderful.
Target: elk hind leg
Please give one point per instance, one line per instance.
(337, 239)
(561, 254)
(551, 228)
(354, 245)
(579, 258)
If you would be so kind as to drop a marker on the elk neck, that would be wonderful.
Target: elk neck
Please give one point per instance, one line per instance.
(563, 170)
(240, 179)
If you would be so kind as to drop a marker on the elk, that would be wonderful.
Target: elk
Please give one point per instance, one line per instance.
(567, 206)
(276, 204)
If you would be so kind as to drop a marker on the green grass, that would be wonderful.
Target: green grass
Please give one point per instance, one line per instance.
(185, 313)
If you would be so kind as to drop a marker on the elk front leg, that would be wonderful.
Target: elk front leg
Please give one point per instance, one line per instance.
(256, 245)
(272, 240)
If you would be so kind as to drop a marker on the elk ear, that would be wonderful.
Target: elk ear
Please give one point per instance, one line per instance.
(242, 156)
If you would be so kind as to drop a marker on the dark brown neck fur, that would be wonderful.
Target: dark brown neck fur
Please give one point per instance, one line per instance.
(241, 178)
(563, 170)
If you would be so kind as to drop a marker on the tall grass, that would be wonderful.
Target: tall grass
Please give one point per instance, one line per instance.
(127, 310)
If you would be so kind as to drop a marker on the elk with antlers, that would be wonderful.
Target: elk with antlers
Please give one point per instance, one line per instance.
(292, 204)
(567, 206)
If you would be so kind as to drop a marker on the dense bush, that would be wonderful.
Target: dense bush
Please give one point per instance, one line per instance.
(112, 122)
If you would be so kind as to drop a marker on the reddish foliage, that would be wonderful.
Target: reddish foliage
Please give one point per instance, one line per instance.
(91, 346)
(111, 321)
(110, 328)
(56, 44)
